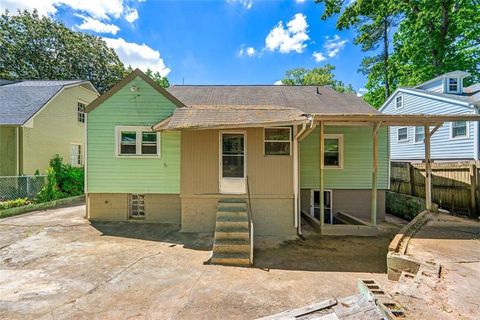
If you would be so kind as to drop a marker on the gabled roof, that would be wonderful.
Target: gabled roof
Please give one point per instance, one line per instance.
(452, 74)
(21, 100)
(135, 73)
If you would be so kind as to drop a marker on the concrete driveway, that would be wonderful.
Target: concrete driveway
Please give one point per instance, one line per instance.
(55, 265)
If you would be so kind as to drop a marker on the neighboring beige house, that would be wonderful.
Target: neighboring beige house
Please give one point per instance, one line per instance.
(39, 119)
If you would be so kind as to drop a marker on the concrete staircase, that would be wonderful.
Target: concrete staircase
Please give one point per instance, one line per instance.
(231, 244)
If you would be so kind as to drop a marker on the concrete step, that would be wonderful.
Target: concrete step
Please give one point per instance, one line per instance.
(232, 235)
(232, 207)
(236, 259)
(232, 200)
(225, 214)
(231, 224)
(232, 218)
(231, 246)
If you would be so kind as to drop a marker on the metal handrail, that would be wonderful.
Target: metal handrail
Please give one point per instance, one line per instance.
(250, 220)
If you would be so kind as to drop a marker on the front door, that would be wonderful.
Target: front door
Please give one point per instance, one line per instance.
(232, 162)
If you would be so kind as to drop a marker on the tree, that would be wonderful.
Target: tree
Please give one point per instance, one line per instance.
(157, 77)
(437, 36)
(322, 76)
(34, 47)
(372, 21)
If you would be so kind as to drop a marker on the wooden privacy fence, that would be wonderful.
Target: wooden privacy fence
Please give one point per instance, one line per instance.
(454, 184)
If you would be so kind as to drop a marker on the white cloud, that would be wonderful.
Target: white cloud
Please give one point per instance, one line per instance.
(291, 38)
(299, 1)
(138, 55)
(361, 92)
(96, 25)
(131, 14)
(278, 83)
(319, 57)
(247, 4)
(250, 51)
(334, 46)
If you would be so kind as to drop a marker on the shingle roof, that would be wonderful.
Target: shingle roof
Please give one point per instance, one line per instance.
(19, 101)
(304, 98)
(468, 96)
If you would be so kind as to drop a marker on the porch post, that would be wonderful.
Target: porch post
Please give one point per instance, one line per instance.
(322, 166)
(374, 174)
(428, 170)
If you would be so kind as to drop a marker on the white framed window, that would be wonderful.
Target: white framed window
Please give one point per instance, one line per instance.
(419, 134)
(399, 102)
(458, 130)
(75, 154)
(402, 134)
(277, 141)
(333, 151)
(453, 85)
(81, 112)
(133, 141)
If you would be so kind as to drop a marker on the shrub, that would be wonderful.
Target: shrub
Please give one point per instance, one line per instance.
(50, 191)
(69, 179)
(14, 203)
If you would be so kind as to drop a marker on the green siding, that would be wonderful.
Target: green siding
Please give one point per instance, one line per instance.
(358, 155)
(8, 151)
(108, 173)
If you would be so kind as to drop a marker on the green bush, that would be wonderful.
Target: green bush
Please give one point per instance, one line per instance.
(50, 191)
(14, 203)
(70, 179)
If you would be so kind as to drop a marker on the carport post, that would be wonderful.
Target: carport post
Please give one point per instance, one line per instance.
(322, 166)
(428, 170)
(376, 126)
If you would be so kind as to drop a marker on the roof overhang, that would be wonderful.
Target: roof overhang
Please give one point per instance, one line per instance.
(395, 120)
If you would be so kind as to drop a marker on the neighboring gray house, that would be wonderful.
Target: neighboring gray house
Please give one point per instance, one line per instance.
(445, 94)
(39, 119)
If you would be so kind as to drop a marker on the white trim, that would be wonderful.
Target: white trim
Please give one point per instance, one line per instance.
(396, 102)
(475, 137)
(448, 85)
(85, 104)
(340, 150)
(415, 135)
(402, 141)
(85, 170)
(138, 130)
(426, 95)
(220, 160)
(289, 141)
(17, 155)
(467, 131)
(81, 154)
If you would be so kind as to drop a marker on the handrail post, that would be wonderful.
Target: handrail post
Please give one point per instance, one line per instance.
(250, 220)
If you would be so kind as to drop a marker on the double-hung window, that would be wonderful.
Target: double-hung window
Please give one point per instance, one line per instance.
(81, 112)
(402, 134)
(459, 129)
(419, 133)
(277, 141)
(399, 102)
(333, 151)
(453, 85)
(75, 154)
(137, 141)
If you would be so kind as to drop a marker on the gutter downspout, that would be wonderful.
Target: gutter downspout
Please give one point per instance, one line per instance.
(296, 184)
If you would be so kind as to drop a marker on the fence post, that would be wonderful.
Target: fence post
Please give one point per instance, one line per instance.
(28, 187)
(473, 189)
(411, 178)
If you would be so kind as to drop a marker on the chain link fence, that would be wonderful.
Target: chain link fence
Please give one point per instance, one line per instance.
(15, 187)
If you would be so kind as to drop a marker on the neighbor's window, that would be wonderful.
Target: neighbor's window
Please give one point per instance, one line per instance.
(399, 102)
(75, 154)
(453, 85)
(81, 112)
(402, 134)
(332, 155)
(459, 129)
(137, 141)
(419, 134)
(277, 141)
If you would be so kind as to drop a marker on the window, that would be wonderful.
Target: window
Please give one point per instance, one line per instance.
(419, 134)
(75, 154)
(333, 150)
(402, 134)
(137, 141)
(137, 206)
(459, 129)
(399, 102)
(81, 112)
(453, 85)
(277, 141)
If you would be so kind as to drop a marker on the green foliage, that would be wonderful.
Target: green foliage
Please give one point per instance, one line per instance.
(70, 180)
(34, 47)
(14, 203)
(50, 191)
(162, 81)
(321, 76)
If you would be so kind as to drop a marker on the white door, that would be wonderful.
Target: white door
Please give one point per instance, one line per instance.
(232, 162)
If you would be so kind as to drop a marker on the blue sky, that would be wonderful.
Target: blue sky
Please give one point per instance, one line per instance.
(212, 42)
